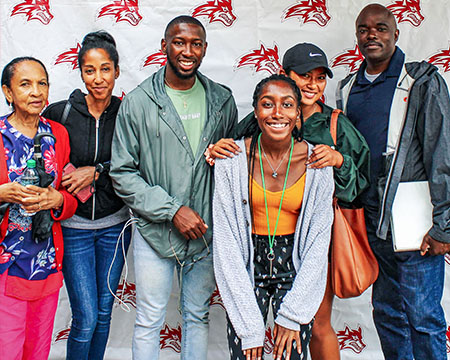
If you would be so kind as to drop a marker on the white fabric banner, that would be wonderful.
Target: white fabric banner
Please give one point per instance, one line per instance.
(246, 41)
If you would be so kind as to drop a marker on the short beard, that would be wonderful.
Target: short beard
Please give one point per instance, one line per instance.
(178, 73)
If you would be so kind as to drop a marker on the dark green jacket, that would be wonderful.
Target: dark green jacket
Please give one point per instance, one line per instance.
(353, 176)
(153, 167)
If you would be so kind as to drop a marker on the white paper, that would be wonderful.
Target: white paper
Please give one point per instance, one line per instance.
(412, 215)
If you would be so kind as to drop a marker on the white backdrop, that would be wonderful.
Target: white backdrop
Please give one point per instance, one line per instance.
(247, 39)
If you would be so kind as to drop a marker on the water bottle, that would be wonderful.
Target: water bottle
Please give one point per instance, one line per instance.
(30, 177)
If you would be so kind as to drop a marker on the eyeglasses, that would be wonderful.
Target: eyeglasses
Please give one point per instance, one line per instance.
(183, 264)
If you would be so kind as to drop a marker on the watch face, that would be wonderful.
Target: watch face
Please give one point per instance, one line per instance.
(99, 168)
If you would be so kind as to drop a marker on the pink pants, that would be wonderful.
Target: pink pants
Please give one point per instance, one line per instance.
(25, 326)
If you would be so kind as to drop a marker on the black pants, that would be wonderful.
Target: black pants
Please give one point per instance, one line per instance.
(271, 288)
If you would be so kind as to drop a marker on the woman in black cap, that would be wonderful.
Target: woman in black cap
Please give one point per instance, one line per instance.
(307, 65)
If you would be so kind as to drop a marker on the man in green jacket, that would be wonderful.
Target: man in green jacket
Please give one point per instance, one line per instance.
(158, 169)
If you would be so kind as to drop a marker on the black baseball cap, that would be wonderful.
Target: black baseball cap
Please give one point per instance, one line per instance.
(305, 57)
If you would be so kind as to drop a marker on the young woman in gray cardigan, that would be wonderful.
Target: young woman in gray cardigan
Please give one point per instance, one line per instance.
(254, 261)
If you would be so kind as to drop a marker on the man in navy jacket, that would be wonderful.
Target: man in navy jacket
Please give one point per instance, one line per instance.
(403, 111)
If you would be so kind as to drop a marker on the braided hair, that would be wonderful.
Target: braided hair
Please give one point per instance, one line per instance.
(253, 130)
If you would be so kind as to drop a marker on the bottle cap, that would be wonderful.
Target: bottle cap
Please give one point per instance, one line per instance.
(31, 163)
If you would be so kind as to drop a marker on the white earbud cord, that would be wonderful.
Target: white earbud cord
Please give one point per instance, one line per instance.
(123, 305)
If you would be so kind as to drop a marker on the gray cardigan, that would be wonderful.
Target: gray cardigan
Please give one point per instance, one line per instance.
(233, 249)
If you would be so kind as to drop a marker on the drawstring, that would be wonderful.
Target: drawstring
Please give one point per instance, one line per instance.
(93, 183)
(183, 264)
(157, 123)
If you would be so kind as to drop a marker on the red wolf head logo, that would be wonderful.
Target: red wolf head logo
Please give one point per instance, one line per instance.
(34, 10)
(352, 58)
(261, 59)
(122, 10)
(269, 342)
(121, 98)
(442, 58)
(308, 11)
(216, 11)
(407, 11)
(216, 299)
(62, 335)
(157, 58)
(126, 291)
(70, 56)
(351, 339)
(170, 338)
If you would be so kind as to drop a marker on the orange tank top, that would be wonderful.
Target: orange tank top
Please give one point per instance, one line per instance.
(290, 209)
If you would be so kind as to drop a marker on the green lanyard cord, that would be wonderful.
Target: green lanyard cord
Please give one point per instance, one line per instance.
(272, 237)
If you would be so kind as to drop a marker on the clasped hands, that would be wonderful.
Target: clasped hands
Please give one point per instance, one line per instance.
(32, 198)
(284, 339)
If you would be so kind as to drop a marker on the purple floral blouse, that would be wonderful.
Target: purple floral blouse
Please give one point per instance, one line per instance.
(20, 254)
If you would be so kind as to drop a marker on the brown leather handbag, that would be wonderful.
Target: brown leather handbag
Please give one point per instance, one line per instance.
(353, 265)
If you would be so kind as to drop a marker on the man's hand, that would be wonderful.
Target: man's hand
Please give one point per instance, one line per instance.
(283, 340)
(433, 247)
(323, 155)
(253, 353)
(189, 223)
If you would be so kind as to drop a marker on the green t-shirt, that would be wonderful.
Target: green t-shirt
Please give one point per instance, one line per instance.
(191, 107)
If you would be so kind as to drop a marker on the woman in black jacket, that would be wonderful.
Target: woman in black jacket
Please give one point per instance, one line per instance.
(92, 260)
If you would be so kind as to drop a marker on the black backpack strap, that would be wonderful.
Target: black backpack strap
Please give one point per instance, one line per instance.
(65, 113)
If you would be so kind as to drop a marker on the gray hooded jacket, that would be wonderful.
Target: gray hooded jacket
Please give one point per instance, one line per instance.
(233, 249)
(153, 167)
(423, 151)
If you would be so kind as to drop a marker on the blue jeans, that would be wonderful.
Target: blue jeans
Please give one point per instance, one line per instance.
(87, 257)
(407, 303)
(154, 277)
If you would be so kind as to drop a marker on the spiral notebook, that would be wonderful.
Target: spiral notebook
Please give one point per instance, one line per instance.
(412, 215)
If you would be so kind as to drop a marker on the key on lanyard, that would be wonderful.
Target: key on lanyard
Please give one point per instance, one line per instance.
(271, 257)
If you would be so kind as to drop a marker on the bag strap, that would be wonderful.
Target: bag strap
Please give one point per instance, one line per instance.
(3, 166)
(333, 124)
(65, 113)
(3, 179)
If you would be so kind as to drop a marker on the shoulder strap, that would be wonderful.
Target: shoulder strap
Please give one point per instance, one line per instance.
(65, 113)
(3, 166)
(333, 124)
(4, 211)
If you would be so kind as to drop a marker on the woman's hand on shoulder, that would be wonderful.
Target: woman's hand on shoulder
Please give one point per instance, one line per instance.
(323, 155)
(79, 179)
(224, 148)
(13, 192)
(284, 339)
(253, 353)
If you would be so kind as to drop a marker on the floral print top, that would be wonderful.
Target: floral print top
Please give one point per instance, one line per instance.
(18, 252)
